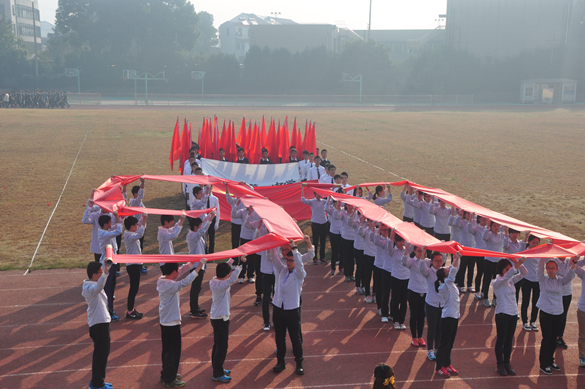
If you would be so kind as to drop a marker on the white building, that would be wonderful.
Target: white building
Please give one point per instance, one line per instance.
(20, 12)
(234, 34)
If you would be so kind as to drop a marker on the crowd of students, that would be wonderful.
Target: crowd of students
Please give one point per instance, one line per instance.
(387, 270)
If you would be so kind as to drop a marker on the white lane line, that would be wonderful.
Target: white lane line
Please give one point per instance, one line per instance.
(363, 160)
(56, 205)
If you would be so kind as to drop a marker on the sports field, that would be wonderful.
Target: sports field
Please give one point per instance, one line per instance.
(526, 164)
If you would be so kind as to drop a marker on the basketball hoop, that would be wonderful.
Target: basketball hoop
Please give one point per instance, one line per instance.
(197, 75)
(71, 72)
(129, 75)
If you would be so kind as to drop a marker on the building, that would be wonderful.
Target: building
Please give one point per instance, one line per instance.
(405, 43)
(505, 28)
(20, 12)
(548, 91)
(299, 37)
(234, 34)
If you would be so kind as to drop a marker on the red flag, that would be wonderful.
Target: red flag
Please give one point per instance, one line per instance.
(209, 140)
(175, 145)
(271, 142)
(312, 147)
(185, 146)
(223, 140)
(215, 145)
(293, 139)
(284, 143)
(232, 146)
(252, 148)
(242, 133)
(190, 139)
(263, 140)
(248, 138)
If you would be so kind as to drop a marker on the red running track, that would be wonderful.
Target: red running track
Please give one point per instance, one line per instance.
(44, 340)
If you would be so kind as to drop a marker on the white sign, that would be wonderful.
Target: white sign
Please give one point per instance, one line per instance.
(255, 175)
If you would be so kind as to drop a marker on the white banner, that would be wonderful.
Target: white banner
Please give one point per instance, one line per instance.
(255, 175)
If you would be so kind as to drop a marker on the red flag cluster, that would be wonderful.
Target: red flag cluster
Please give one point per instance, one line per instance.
(180, 145)
(252, 138)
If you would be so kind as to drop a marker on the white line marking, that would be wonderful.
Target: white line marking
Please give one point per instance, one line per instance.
(56, 205)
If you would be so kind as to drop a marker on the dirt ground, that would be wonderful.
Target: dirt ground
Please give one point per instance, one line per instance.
(524, 163)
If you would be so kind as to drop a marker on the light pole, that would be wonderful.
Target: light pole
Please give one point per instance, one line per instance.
(198, 75)
(370, 21)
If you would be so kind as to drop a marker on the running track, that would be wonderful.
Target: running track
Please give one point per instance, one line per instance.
(44, 340)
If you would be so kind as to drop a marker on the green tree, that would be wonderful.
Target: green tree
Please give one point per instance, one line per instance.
(207, 33)
(14, 65)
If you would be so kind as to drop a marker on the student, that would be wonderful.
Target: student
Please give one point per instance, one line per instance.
(292, 157)
(167, 232)
(530, 286)
(324, 161)
(337, 181)
(212, 202)
(136, 201)
(347, 240)
(406, 197)
(334, 234)
(359, 192)
(379, 198)
(220, 287)
(190, 165)
(264, 159)
(506, 311)
(169, 289)
(511, 246)
(344, 178)
(417, 288)
(317, 171)
(581, 313)
(107, 236)
(455, 229)
(132, 236)
(254, 223)
(550, 304)
(287, 304)
(399, 281)
(241, 158)
(355, 223)
(476, 227)
(91, 216)
(462, 221)
(383, 268)
(199, 199)
(427, 219)
(236, 221)
(494, 241)
(369, 257)
(383, 377)
(266, 273)
(416, 210)
(98, 320)
(442, 213)
(567, 295)
(319, 225)
(329, 178)
(222, 155)
(450, 314)
(196, 244)
(304, 166)
(433, 304)
(246, 235)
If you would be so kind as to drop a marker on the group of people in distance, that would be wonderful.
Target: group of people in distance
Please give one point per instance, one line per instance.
(387, 270)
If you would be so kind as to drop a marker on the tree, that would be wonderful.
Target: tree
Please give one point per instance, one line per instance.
(372, 61)
(14, 64)
(207, 33)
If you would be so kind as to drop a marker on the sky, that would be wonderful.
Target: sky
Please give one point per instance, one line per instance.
(386, 14)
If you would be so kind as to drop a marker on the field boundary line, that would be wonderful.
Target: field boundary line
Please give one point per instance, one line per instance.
(57, 204)
(363, 160)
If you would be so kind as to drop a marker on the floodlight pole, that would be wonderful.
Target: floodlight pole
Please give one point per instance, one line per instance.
(78, 83)
(370, 21)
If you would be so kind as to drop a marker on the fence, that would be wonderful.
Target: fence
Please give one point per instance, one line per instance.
(84, 98)
(297, 100)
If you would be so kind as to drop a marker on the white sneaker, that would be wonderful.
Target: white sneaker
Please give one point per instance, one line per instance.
(402, 327)
(396, 326)
(463, 289)
(240, 280)
(251, 280)
(368, 300)
(374, 299)
(358, 290)
(384, 319)
(534, 326)
(479, 296)
(470, 289)
(363, 290)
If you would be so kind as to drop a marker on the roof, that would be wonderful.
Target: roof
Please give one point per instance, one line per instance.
(394, 35)
(278, 20)
(548, 80)
(245, 19)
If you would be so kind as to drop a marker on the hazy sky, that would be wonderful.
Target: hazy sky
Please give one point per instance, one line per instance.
(386, 14)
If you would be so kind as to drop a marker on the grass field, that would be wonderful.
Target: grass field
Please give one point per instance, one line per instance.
(525, 164)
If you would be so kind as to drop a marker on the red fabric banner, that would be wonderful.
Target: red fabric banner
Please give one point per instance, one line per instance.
(129, 211)
(275, 218)
(175, 145)
(266, 242)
